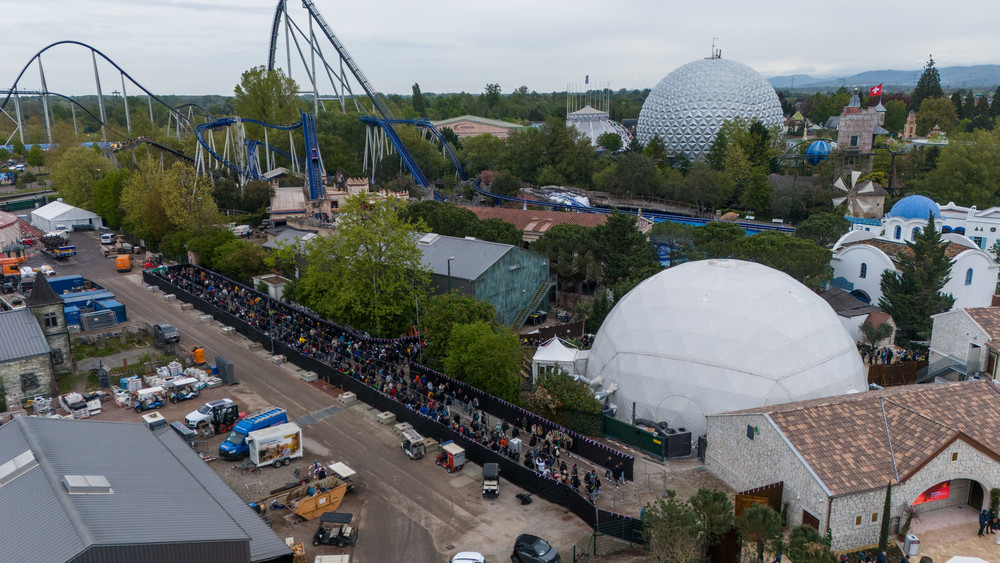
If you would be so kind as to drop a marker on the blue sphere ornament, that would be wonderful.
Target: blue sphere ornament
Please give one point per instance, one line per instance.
(817, 152)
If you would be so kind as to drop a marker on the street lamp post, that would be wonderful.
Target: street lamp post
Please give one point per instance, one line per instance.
(450, 258)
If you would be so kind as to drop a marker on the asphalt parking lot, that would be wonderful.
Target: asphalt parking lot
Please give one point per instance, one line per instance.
(405, 510)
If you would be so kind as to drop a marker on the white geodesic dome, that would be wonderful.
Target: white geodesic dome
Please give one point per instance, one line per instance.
(718, 335)
(687, 108)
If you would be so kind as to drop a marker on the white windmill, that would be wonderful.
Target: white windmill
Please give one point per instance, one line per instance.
(863, 200)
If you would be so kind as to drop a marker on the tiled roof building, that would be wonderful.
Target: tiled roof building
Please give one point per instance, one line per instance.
(936, 444)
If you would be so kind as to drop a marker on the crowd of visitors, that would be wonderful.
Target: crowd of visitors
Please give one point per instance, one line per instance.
(384, 365)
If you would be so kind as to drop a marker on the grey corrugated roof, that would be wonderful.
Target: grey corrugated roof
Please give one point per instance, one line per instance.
(264, 544)
(162, 492)
(288, 236)
(31, 535)
(472, 256)
(20, 336)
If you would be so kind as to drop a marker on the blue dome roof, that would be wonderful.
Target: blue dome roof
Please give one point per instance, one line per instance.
(915, 207)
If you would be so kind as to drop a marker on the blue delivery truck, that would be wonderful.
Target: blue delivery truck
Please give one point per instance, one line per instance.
(235, 445)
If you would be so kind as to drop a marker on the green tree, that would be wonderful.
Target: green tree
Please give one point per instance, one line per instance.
(625, 253)
(487, 357)
(936, 111)
(419, 105)
(566, 401)
(36, 157)
(498, 230)
(715, 515)
(505, 183)
(803, 259)
(929, 86)
(759, 525)
(442, 312)
(240, 260)
(883, 535)
(912, 293)
(895, 116)
(267, 95)
(370, 273)
(678, 237)
(573, 255)
(492, 97)
(596, 310)
(671, 530)
(76, 173)
(158, 202)
(823, 228)
(482, 152)
(707, 188)
(717, 239)
(633, 175)
(19, 148)
(108, 197)
(205, 241)
(655, 149)
(443, 218)
(611, 142)
(872, 334)
(756, 194)
(956, 100)
(807, 544)
(964, 172)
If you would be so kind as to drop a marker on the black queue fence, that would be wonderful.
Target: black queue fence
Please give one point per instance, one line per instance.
(611, 523)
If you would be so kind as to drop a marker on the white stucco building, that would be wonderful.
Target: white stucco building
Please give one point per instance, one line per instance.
(936, 444)
(860, 257)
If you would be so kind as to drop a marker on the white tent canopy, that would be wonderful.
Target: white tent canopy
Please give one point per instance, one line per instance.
(554, 355)
(57, 216)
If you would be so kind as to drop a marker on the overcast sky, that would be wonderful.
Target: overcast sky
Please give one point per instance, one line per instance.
(201, 47)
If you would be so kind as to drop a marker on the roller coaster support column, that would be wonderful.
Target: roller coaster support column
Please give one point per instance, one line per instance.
(100, 97)
(17, 112)
(150, 98)
(72, 110)
(45, 101)
(128, 116)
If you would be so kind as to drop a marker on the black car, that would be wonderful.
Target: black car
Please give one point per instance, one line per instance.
(166, 333)
(533, 549)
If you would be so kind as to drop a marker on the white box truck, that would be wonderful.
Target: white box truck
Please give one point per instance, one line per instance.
(276, 445)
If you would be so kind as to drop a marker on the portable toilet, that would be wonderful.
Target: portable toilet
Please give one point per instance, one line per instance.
(72, 314)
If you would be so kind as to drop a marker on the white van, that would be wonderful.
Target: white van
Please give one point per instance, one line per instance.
(108, 238)
(242, 230)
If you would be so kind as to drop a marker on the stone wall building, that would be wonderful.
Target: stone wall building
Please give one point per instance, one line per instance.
(934, 443)
(965, 342)
(25, 358)
(47, 307)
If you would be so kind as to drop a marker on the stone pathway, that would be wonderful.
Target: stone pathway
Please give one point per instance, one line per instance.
(950, 532)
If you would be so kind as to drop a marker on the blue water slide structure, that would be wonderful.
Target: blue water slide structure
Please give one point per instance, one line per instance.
(653, 215)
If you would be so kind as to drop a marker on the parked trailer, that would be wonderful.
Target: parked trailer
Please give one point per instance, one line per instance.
(276, 445)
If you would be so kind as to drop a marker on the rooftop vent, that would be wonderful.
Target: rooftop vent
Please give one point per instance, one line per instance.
(87, 485)
(429, 238)
(17, 467)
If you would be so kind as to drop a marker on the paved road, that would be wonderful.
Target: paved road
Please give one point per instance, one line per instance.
(413, 511)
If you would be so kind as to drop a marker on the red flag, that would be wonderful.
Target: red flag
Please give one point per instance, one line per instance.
(877, 91)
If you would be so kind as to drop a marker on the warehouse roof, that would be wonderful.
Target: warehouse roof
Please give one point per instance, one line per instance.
(122, 499)
(472, 256)
(20, 337)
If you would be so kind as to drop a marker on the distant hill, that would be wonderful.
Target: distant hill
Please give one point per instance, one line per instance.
(978, 77)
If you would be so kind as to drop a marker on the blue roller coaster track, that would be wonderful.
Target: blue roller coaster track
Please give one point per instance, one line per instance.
(313, 165)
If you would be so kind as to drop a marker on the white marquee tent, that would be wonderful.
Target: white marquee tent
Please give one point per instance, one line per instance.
(554, 355)
(57, 216)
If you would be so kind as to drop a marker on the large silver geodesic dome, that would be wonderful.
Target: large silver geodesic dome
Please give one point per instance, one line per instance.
(687, 108)
(719, 335)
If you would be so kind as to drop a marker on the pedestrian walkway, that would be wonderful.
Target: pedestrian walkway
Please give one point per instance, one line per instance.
(948, 532)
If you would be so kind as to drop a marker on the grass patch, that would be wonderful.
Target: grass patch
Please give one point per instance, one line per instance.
(108, 346)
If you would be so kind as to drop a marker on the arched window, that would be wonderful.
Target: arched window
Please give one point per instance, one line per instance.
(864, 270)
(968, 277)
(898, 233)
(914, 233)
